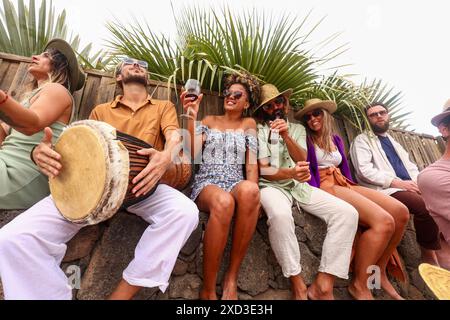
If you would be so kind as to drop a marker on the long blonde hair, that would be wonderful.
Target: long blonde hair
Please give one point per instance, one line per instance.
(325, 141)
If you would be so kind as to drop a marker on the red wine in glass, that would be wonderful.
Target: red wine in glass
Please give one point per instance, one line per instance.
(193, 89)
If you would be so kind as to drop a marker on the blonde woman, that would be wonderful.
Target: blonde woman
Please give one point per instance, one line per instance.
(382, 218)
(51, 104)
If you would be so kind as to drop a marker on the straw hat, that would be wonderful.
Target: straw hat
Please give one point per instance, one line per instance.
(77, 76)
(445, 113)
(313, 104)
(437, 279)
(270, 92)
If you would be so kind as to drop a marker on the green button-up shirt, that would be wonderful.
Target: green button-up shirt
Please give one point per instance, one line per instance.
(279, 157)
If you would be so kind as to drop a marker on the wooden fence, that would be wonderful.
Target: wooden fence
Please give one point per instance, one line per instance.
(100, 87)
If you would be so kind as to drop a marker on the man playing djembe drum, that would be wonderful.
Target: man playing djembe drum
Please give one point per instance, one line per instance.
(33, 245)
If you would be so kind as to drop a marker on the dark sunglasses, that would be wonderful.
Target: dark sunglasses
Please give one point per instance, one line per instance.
(376, 114)
(233, 94)
(314, 113)
(269, 106)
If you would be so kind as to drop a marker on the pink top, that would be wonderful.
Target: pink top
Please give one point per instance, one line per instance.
(434, 183)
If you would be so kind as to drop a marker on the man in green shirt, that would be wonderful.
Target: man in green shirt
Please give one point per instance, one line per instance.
(283, 180)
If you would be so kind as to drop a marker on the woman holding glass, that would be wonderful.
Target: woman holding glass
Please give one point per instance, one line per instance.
(226, 185)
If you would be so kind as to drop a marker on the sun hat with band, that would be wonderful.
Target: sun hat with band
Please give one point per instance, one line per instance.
(270, 92)
(437, 120)
(313, 104)
(76, 75)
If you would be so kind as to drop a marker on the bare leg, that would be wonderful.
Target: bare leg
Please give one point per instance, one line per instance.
(246, 195)
(372, 242)
(298, 288)
(124, 291)
(322, 287)
(400, 214)
(220, 205)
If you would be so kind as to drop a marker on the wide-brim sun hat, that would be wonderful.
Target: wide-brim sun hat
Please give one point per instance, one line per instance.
(313, 104)
(77, 77)
(437, 279)
(270, 92)
(436, 121)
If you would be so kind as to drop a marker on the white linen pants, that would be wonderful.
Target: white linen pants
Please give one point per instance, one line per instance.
(341, 219)
(33, 245)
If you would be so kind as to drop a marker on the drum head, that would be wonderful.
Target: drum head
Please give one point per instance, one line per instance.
(81, 183)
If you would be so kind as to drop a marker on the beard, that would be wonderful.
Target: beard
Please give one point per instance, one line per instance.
(132, 78)
(380, 129)
(279, 114)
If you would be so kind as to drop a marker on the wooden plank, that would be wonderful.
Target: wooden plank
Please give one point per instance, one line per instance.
(13, 57)
(89, 97)
(22, 83)
(7, 73)
(106, 89)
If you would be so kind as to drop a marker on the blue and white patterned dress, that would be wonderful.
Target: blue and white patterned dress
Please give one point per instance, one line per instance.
(223, 159)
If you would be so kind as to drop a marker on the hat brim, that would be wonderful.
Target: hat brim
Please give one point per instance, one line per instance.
(328, 105)
(287, 93)
(436, 121)
(77, 77)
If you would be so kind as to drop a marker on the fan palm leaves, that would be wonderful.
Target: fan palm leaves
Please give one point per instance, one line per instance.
(26, 30)
(278, 50)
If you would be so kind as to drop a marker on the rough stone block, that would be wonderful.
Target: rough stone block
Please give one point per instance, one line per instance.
(111, 256)
(315, 230)
(274, 295)
(82, 244)
(185, 287)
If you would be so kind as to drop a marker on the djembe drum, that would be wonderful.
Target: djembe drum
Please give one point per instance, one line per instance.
(99, 164)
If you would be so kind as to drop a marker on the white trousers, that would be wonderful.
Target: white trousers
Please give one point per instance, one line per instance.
(33, 245)
(341, 219)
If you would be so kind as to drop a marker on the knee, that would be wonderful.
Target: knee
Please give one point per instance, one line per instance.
(348, 216)
(385, 226)
(249, 192)
(402, 216)
(191, 213)
(223, 204)
(280, 219)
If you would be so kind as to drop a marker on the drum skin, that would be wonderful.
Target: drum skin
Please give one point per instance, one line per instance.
(98, 167)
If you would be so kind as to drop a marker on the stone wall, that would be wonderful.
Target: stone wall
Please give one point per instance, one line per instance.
(103, 251)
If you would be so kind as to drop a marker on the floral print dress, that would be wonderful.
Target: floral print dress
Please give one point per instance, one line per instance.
(223, 159)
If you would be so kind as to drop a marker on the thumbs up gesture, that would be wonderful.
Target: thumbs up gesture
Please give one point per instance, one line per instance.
(45, 157)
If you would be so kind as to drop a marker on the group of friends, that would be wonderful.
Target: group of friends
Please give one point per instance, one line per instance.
(252, 158)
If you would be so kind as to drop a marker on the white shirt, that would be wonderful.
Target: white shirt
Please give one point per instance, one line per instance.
(327, 159)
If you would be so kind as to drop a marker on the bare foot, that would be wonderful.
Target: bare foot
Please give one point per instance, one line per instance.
(389, 289)
(229, 289)
(316, 293)
(206, 295)
(298, 287)
(359, 292)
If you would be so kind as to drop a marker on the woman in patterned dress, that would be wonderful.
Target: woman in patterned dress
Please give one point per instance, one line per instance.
(226, 185)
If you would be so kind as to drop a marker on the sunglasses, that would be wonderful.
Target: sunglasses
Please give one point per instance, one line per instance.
(271, 105)
(315, 113)
(130, 61)
(233, 94)
(376, 114)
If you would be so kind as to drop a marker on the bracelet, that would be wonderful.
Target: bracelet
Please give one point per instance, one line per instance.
(31, 154)
(4, 100)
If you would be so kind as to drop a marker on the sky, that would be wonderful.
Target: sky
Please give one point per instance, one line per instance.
(404, 43)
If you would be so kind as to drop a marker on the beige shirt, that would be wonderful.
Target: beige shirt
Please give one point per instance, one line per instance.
(150, 122)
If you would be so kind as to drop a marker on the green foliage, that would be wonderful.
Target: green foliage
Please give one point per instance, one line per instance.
(27, 30)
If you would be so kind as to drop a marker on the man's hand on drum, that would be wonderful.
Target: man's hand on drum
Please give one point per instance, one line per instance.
(191, 104)
(45, 157)
(147, 179)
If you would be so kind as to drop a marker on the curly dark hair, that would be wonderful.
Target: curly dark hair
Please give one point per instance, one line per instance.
(250, 83)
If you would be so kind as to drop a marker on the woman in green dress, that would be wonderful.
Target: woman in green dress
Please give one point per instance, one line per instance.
(22, 124)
